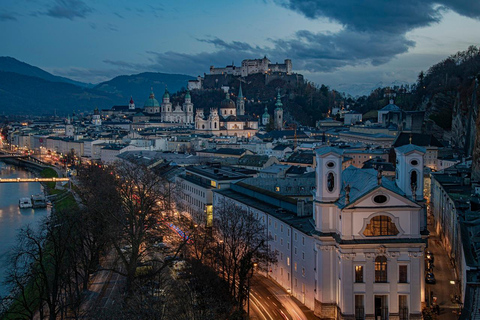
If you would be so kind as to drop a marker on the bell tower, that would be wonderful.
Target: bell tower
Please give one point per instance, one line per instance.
(328, 177)
(409, 170)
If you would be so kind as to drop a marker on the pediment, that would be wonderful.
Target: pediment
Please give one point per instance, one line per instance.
(382, 197)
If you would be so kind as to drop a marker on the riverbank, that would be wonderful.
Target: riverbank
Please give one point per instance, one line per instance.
(62, 199)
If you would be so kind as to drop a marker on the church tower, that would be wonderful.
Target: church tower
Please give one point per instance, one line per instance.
(265, 117)
(166, 107)
(240, 102)
(69, 128)
(131, 104)
(409, 170)
(328, 177)
(188, 108)
(278, 113)
(96, 120)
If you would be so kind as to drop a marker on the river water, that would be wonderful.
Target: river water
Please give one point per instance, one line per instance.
(12, 218)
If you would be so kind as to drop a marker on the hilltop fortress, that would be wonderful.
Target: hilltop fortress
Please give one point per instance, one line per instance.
(254, 66)
(219, 77)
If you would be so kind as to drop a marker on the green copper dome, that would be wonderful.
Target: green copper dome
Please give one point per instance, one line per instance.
(266, 114)
(227, 103)
(151, 101)
(166, 95)
(187, 95)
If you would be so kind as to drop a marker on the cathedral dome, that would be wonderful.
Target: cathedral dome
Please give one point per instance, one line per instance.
(151, 101)
(227, 103)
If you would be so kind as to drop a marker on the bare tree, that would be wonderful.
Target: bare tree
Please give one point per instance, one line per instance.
(242, 244)
(42, 270)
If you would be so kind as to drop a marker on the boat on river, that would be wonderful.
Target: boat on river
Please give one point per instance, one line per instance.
(39, 201)
(25, 203)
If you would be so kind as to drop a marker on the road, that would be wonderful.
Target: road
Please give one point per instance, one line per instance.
(443, 290)
(268, 301)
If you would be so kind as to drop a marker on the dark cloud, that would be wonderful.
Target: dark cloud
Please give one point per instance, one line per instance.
(372, 15)
(468, 8)
(7, 17)
(69, 9)
(234, 45)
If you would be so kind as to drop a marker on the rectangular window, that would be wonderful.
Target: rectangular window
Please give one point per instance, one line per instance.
(359, 307)
(295, 267)
(381, 269)
(303, 240)
(303, 272)
(359, 274)
(403, 307)
(281, 228)
(295, 250)
(303, 255)
(288, 245)
(281, 241)
(288, 261)
(402, 274)
(295, 236)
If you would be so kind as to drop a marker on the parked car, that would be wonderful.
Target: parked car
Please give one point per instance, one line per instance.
(429, 266)
(430, 278)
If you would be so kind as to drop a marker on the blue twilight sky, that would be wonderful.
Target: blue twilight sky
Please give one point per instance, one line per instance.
(350, 45)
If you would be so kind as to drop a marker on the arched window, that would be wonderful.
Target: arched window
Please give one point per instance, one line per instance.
(330, 182)
(380, 226)
(215, 125)
(381, 269)
(413, 180)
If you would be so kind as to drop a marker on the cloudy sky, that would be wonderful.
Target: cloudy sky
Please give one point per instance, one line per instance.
(350, 45)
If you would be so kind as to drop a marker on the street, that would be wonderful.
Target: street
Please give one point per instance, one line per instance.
(268, 301)
(443, 289)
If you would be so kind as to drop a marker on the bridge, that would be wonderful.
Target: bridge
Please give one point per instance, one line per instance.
(17, 180)
(13, 156)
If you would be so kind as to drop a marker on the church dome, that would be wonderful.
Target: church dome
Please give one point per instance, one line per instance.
(151, 101)
(227, 103)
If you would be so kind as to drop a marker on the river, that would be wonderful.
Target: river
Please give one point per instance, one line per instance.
(12, 218)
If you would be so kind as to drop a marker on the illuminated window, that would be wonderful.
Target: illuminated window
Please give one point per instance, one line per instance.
(381, 269)
(277, 189)
(380, 226)
(213, 183)
(402, 274)
(359, 274)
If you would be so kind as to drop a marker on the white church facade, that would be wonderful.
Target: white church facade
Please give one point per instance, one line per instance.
(360, 254)
(228, 120)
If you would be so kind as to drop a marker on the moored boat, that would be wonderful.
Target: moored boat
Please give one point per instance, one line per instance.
(39, 201)
(25, 203)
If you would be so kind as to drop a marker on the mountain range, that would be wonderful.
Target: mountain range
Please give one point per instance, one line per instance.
(29, 90)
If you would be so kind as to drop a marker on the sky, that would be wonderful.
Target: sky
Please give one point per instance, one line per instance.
(352, 46)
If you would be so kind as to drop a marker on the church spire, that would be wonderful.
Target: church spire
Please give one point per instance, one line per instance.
(240, 93)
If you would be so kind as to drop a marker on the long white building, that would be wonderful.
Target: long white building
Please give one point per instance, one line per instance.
(359, 254)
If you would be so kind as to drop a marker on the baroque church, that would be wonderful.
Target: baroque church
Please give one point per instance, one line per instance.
(228, 120)
(370, 238)
(168, 113)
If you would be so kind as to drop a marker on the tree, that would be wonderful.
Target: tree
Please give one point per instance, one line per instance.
(43, 271)
(242, 245)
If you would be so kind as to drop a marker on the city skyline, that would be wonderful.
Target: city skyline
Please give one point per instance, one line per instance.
(347, 46)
